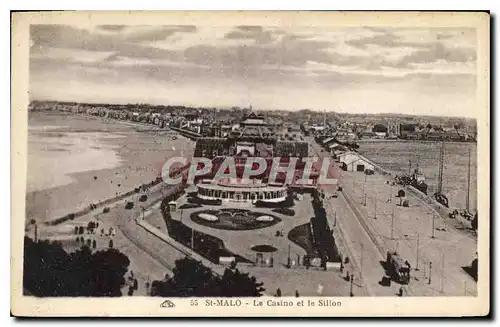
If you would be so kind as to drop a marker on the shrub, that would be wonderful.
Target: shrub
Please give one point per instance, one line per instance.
(105, 210)
(129, 205)
(143, 198)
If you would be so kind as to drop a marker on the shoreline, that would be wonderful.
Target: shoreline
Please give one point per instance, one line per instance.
(142, 151)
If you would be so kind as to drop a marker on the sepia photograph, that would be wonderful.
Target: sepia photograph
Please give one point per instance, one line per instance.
(270, 164)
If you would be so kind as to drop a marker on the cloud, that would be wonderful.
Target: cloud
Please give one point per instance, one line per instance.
(112, 28)
(438, 51)
(256, 33)
(296, 62)
(61, 36)
(160, 33)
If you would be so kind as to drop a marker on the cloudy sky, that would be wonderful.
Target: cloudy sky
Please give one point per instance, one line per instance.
(422, 71)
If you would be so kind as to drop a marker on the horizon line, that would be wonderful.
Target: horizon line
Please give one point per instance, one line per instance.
(229, 107)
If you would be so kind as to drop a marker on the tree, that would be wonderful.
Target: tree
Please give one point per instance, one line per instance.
(51, 271)
(236, 284)
(45, 268)
(108, 270)
(191, 278)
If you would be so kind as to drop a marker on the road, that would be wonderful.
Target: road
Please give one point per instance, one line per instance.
(367, 257)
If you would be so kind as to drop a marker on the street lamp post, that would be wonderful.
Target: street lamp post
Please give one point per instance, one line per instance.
(390, 193)
(433, 227)
(192, 239)
(364, 194)
(352, 280)
(361, 264)
(442, 275)
(392, 224)
(418, 241)
(375, 205)
(430, 272)
(288, 264)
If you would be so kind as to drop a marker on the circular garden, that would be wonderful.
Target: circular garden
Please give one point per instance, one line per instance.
(234, 219)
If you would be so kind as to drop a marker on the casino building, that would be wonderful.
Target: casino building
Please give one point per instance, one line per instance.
(240, 190)
(251, 137)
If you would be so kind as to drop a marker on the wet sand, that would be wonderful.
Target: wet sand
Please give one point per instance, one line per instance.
(395, 155)
(74, 161)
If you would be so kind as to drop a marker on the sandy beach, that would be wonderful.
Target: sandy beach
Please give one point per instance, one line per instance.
(74, 161)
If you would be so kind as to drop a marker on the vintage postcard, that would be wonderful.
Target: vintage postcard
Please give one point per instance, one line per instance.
(241, 164)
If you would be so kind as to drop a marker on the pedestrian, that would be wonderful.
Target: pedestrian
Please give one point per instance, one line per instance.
(400, 291)
(320, 289)
(297, 293)
(278, 292)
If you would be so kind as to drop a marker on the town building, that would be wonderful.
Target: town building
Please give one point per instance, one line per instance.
(252, 137)
(351, 161)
